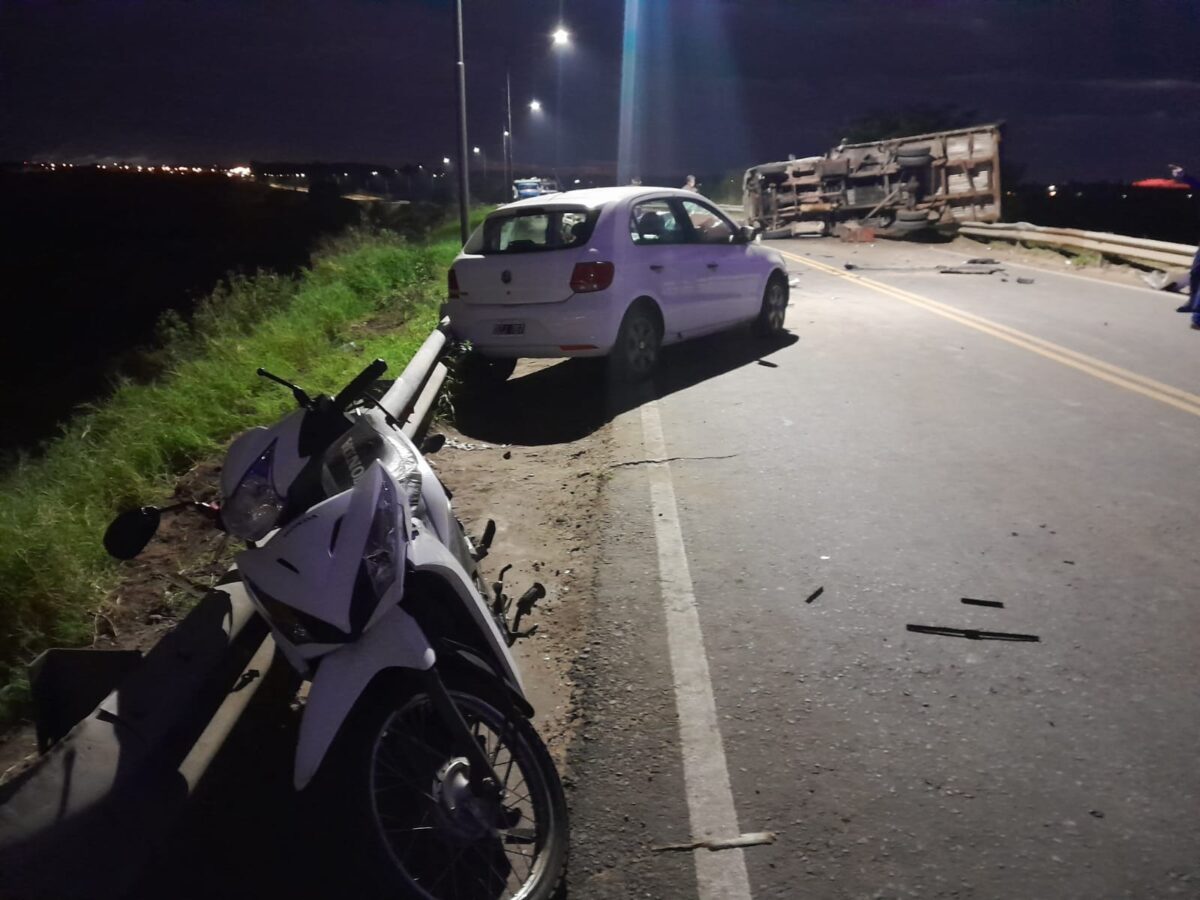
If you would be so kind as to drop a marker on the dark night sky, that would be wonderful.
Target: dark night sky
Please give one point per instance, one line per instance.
(1103, 89)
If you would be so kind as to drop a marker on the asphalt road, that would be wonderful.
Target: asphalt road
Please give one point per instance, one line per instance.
(922, 438)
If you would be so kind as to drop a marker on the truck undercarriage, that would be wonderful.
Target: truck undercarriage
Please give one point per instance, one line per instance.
(900, 186)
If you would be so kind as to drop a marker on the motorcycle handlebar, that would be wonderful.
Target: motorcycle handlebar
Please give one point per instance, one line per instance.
(359, 384)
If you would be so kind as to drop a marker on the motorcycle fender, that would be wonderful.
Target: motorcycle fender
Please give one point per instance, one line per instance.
(427, 554)
(395, 641)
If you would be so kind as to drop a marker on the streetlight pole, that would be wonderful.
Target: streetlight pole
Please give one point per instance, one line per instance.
(460, 78)
(510, 163)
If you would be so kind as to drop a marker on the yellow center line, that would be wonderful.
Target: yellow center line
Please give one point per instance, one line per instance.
(1097, 368)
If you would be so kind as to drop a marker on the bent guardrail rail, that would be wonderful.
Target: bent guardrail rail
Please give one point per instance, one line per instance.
(1157, 254)
(97, 805)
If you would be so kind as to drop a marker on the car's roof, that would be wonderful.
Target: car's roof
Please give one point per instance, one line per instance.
(594, 197)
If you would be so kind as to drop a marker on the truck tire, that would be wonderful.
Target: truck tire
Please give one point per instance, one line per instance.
(914, 160)
(912, 215)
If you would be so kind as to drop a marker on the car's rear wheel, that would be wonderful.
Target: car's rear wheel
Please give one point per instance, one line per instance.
(774, 308)
(639, 340)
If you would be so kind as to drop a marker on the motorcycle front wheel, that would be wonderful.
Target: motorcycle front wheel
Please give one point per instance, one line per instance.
(404, 792)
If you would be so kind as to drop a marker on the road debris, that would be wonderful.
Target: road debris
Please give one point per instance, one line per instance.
(815, 594)
(855, 267)
(463, 445)
(971, 601)
(973, 634)
(1024, 281)
(971, 269)
(750, 839)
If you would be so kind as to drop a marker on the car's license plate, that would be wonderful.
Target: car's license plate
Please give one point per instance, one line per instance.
(509, 328)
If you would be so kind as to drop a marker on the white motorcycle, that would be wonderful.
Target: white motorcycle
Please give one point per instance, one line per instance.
(416, 720)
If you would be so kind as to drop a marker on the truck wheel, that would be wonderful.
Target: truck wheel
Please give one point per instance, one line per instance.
(914, 160)
(912, 215)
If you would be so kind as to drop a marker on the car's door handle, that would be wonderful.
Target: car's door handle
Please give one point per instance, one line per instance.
(656, 268)
(713, 265)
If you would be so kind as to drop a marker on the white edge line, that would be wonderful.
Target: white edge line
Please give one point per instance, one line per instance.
(711, 810)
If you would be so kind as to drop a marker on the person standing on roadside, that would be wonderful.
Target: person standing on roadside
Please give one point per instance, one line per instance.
(1193, 304)
(689, 184)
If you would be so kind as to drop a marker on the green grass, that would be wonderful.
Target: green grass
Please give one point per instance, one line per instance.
(129, 449)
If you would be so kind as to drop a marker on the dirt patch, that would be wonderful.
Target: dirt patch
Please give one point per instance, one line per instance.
(545, 500)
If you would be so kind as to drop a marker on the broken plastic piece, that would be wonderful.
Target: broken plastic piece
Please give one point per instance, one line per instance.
(971, 601)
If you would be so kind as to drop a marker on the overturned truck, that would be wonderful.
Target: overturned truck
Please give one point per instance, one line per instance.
(900, 186)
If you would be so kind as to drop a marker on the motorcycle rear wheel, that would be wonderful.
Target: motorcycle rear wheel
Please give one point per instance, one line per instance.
(402, 795)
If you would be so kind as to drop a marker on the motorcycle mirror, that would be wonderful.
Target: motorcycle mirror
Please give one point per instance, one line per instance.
(130, 532)
(432, 444)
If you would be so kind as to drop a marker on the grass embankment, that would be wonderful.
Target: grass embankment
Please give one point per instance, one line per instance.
(129, 449)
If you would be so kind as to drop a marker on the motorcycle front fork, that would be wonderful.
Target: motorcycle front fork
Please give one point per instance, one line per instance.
(484, 782)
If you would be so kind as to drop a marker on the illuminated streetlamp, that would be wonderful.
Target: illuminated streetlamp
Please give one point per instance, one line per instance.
(560, 37)
(535, 106)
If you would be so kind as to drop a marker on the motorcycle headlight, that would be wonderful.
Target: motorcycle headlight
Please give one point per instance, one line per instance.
(381, 555)
(254, 508)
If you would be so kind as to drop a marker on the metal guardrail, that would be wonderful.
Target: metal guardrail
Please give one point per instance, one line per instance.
(86, 816)
(1157, 254)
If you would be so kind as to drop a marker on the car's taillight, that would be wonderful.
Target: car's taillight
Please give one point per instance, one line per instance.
(591, 276)
(452, 285)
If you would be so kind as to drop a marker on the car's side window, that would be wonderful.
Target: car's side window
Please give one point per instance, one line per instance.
(655, 222)
(708, 225)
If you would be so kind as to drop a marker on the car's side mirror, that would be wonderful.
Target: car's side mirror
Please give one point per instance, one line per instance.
(130, 532)
(746, 234)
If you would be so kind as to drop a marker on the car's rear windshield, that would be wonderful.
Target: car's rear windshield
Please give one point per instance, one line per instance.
(534, 229)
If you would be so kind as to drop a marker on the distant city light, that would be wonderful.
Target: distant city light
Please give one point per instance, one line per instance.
(236, 172)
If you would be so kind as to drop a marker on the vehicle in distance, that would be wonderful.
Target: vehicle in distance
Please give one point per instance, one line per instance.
(617, 272)
(524, 188)
(899, 186)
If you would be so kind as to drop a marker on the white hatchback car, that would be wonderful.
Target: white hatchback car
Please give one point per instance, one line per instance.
(617, 272)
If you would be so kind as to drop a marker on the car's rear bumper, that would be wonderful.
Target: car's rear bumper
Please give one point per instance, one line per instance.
(580, 326)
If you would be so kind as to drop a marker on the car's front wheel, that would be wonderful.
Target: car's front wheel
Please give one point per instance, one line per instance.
(639, 340)
(774, 308)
